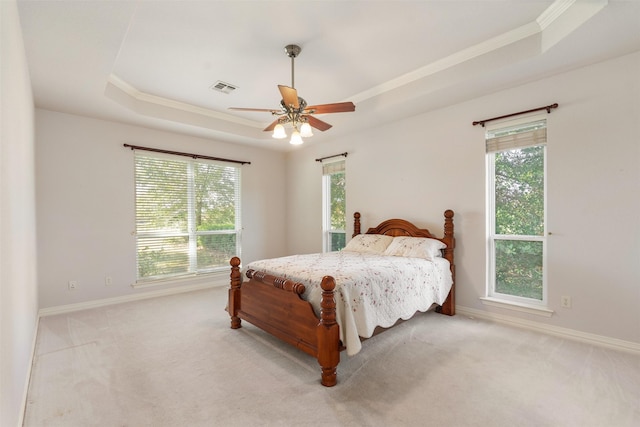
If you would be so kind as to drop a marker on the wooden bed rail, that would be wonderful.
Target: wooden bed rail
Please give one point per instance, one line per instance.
(276, 282)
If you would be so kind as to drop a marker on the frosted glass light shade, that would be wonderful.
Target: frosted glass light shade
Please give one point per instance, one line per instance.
(296, 139)
(305, 130)
(278, 132)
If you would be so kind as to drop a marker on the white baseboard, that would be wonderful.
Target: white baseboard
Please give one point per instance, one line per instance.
(613, 343)
(68, 308)
(25, 393)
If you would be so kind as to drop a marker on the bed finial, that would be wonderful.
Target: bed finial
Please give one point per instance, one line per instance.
(449, 306)
(234, 292)
(448, 224)
(356, 224)
(328, 334)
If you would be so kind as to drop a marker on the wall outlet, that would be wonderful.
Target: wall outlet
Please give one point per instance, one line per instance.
(108, 281)
(565, 301)
(72, 285)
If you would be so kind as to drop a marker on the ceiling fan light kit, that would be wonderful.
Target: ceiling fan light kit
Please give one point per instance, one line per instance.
(296, 138)
(279, 132)
(305, 130)
(294, 109)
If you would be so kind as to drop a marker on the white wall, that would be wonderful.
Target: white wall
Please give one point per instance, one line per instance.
(85, 201)
(417, 168)
(18, 284)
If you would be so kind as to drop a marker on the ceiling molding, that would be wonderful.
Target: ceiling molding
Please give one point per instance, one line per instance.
(142, 99)
(568, 10)
(564, 16)
(453, 60)
(529, 40)
(553, 12)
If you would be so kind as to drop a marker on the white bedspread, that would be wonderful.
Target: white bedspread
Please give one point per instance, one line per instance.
(371, 290)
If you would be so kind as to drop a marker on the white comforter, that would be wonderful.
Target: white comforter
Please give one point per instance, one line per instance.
(371, 290)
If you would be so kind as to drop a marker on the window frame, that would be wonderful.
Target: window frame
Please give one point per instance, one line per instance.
(327, 230)
(492, 236)
(191, 232)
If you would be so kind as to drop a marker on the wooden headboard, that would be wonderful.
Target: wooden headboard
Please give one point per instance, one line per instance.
(401, 227)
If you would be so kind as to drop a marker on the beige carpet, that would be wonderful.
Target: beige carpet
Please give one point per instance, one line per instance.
(174, 361)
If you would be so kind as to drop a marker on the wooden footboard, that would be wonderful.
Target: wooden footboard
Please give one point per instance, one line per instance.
(274, 305)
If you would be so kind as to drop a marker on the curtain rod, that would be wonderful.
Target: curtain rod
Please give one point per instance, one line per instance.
(178, 153)
(345, 154)
(548, 108)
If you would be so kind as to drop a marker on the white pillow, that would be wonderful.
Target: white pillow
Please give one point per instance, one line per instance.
(415, 247)
(369, 243)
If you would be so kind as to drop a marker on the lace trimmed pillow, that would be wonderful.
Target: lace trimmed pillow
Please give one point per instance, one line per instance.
(415, 247)
(369, 243)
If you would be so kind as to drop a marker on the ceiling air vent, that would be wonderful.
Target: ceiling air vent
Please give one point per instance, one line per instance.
(223, 87)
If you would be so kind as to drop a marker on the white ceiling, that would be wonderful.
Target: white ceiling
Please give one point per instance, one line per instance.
(152, 63)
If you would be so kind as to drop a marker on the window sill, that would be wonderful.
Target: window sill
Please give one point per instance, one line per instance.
(517, 306)
(217, 276)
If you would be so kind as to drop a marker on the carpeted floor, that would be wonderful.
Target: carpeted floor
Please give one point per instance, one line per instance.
(174, 361)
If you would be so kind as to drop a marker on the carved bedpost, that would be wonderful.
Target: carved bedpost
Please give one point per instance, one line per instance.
(449, 306)
(234, 292)
(328, 334)
(356, 224)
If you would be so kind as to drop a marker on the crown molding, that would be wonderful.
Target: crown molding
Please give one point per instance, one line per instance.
(143, 99)
(532, 39)
(576, 12)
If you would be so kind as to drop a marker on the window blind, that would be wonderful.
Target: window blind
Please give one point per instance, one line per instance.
(517, 136)
(187, 215)
(333, 167)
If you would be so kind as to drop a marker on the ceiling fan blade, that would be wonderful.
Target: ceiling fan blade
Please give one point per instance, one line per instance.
(267, 110)
(271, 126)
(318, 124)
(338, 107)
(289, 96)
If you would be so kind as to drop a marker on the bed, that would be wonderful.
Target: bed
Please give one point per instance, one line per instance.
(310, 309)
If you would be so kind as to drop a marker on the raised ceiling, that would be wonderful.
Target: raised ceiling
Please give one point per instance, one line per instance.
(153, 63)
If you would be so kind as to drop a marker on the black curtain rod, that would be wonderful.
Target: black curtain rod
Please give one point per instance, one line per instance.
(345, 154)
(193, 156)
(548, 108)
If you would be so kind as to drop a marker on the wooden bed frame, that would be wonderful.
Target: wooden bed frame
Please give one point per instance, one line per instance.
(274, 304)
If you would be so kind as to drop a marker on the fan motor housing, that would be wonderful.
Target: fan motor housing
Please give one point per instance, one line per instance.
(302, 104)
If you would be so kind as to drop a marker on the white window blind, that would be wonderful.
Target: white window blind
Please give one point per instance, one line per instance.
(333, 167)
(516, 136)
(187, 215)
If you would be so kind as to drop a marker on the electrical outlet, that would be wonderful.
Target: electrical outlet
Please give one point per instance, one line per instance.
(565, 301)
(108, 281)
(72, 285)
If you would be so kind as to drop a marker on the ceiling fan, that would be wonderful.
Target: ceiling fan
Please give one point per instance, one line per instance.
(294, 109)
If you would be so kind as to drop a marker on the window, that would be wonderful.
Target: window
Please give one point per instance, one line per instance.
(187, 216)
(334, 210)
(516, 158)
